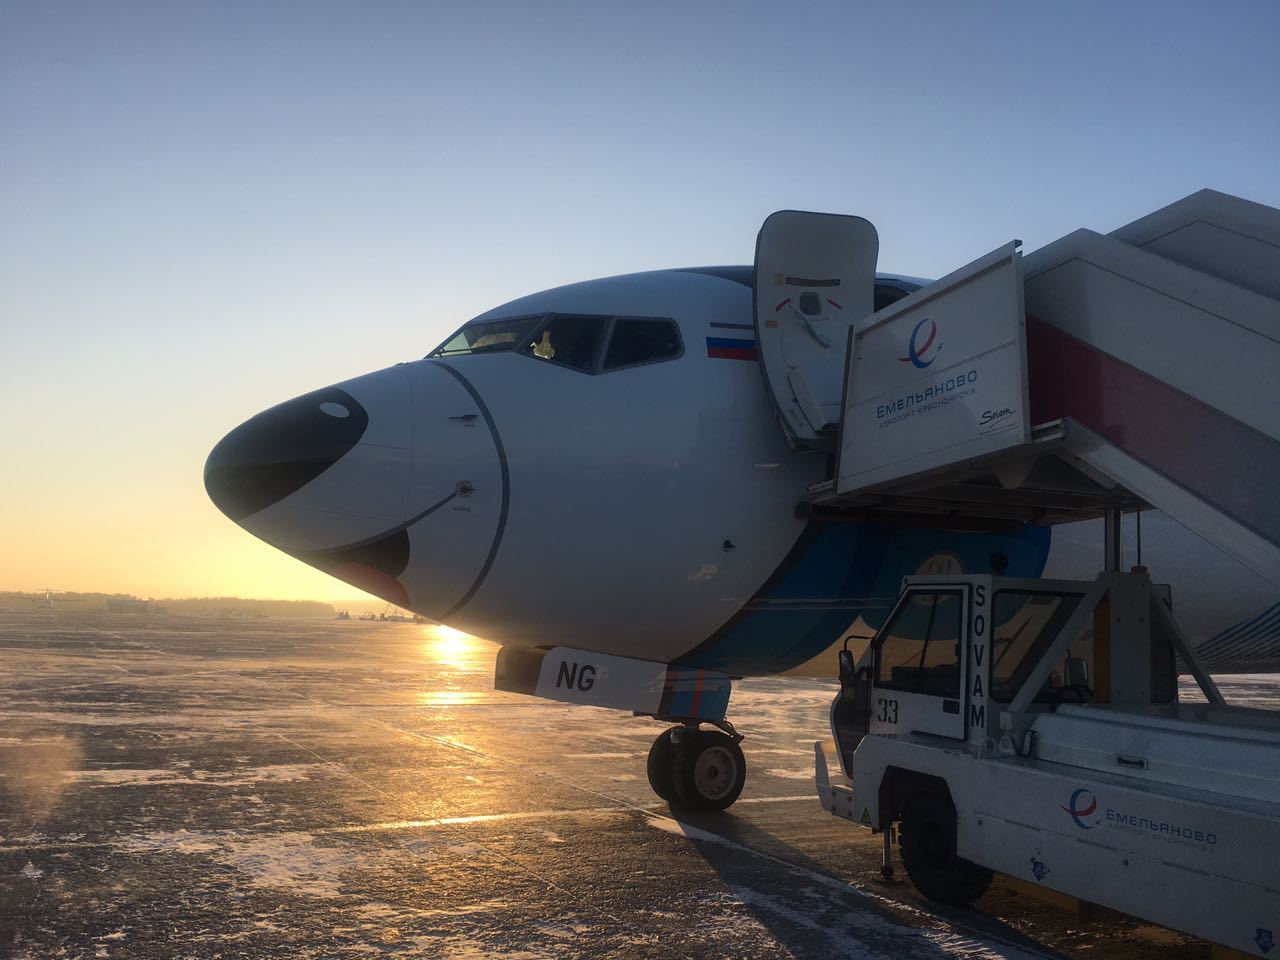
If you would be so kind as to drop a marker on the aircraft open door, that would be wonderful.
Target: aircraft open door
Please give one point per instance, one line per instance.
(814, 278)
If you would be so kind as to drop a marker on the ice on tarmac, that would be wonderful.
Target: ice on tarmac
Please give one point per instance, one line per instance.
(305, 789)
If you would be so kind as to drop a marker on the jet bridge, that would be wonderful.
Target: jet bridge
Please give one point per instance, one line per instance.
(1099, 374)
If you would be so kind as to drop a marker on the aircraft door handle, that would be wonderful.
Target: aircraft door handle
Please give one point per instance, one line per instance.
(813, 331)
(950, 706)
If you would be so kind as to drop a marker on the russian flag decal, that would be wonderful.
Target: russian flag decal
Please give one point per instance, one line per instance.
(731, 348)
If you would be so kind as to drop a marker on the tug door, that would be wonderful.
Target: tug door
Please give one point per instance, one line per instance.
(919, 664)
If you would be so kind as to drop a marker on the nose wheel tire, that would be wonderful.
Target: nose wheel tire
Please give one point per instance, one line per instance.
(662, 761)
(928, 850)
(709, 771)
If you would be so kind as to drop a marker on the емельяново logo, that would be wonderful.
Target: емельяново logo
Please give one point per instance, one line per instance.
(918, 350)
(1082, 804)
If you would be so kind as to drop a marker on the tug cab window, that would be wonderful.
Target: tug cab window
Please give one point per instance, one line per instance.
(641, 341)
(1025, 626)
(920, 652)
(567, 339)
(487, 336)
(1027, 623)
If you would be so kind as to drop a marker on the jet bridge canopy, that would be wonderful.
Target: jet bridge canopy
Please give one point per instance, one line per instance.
(1128, 371)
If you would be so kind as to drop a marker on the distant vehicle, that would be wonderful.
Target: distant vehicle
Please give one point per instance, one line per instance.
(595, 477)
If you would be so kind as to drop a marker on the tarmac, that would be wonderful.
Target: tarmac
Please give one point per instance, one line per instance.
(176, 787)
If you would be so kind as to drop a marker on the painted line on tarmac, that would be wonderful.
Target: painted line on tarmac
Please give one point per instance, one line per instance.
(521, 815)
(392, 825)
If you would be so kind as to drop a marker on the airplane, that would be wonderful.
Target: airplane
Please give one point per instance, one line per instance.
(598, 468)
(48, 601)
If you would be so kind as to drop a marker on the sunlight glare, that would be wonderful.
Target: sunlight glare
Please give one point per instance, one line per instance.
(447, 646)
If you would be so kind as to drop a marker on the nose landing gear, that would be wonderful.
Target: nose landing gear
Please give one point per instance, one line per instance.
(698, 769)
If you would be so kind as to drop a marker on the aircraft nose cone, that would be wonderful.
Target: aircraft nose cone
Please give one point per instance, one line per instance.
(281, 450)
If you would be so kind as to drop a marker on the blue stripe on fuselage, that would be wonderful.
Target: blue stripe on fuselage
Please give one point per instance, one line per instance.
(837, 572)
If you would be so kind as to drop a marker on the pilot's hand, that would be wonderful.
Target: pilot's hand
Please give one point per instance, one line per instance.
(543, 348)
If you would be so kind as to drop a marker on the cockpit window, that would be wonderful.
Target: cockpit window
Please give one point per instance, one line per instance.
(488, 336)
(567, 339)
(571, 340)
(641, 341)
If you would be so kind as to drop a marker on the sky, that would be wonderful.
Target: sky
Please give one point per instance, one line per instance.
(208, 208)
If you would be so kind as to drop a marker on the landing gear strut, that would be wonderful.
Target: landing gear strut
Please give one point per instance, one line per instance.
(698, 769)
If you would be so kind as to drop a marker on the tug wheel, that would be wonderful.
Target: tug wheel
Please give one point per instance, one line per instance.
(928, 850)
(710, 770)
(661, 767)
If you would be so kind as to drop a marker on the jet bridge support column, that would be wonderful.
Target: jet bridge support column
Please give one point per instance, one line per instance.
(1113, 527)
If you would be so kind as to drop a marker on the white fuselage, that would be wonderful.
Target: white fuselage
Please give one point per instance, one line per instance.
(648, 511)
